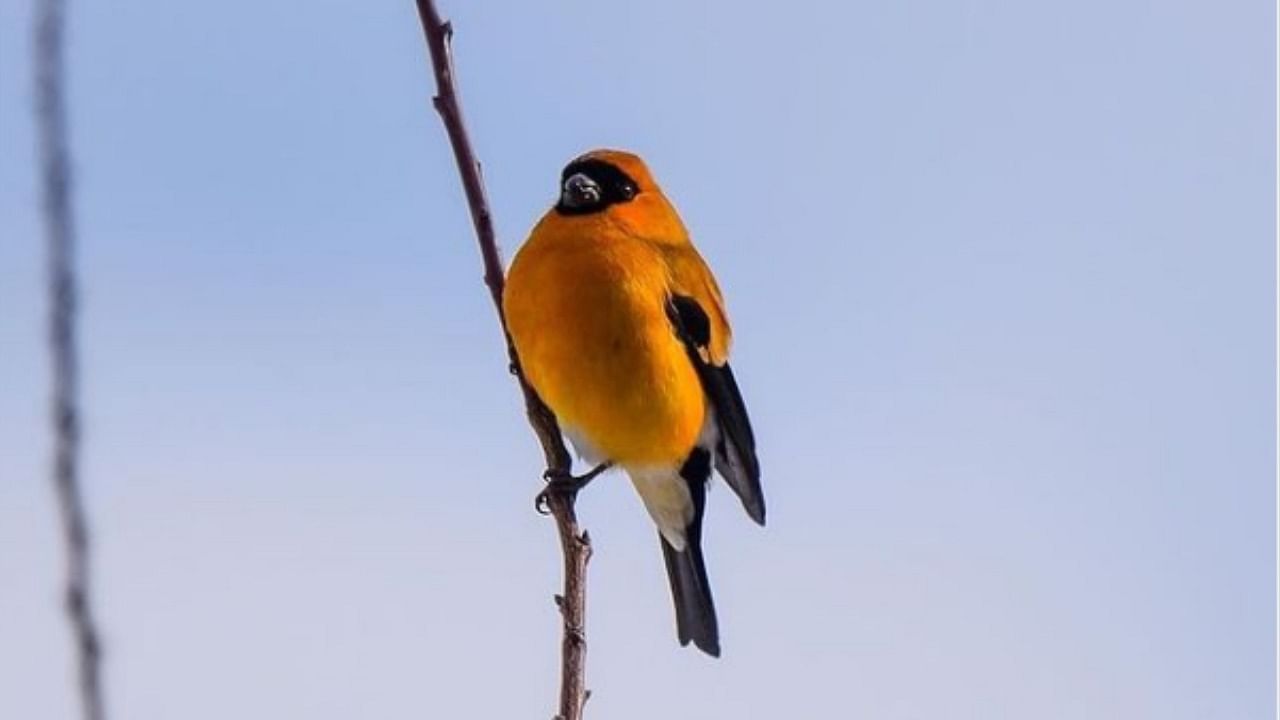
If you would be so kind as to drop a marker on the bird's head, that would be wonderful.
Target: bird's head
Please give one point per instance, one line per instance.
(617, 185)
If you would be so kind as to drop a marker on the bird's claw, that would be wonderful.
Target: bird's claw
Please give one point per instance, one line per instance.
(561, 482)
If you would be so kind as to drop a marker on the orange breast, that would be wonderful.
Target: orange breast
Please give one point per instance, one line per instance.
(587, 316)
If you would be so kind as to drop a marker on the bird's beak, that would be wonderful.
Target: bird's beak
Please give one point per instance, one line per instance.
(579, 191)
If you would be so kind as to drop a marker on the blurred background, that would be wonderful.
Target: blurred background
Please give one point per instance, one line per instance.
(1003, 278)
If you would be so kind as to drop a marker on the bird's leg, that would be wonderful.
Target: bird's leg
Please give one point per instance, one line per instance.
(561, 482)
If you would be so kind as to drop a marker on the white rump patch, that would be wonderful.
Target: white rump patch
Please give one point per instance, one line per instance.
(666, 497)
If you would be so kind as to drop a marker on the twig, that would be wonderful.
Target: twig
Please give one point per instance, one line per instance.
(574, 542)
(60, 236)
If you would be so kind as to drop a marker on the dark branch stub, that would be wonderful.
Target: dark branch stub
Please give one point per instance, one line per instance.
(574, 543)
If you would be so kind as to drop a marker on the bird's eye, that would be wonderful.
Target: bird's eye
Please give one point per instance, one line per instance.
(627, 190)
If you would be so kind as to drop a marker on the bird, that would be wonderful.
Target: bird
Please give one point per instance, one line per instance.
(620, 328)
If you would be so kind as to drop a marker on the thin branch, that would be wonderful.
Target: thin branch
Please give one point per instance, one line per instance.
(60, 236)
(574, 542)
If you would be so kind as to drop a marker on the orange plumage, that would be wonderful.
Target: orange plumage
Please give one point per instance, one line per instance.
(620, 328)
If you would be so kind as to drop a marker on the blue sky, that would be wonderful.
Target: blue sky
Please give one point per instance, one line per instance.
(1002, 275)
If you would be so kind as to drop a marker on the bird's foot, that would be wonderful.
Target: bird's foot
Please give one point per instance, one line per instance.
(561, 482)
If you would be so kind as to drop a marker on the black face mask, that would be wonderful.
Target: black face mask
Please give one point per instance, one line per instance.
(589, 186)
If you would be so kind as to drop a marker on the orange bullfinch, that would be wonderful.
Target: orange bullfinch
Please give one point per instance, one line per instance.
(620, 328)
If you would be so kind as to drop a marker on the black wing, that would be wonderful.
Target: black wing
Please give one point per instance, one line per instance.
(735, 452)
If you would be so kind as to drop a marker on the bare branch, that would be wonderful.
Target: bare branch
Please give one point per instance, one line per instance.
(575, 543)
(60, 237)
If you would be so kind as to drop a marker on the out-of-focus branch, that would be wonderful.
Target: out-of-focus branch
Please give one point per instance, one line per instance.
(55, 174)
(574, 542)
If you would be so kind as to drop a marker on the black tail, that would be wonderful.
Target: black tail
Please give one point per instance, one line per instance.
(695, 611)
